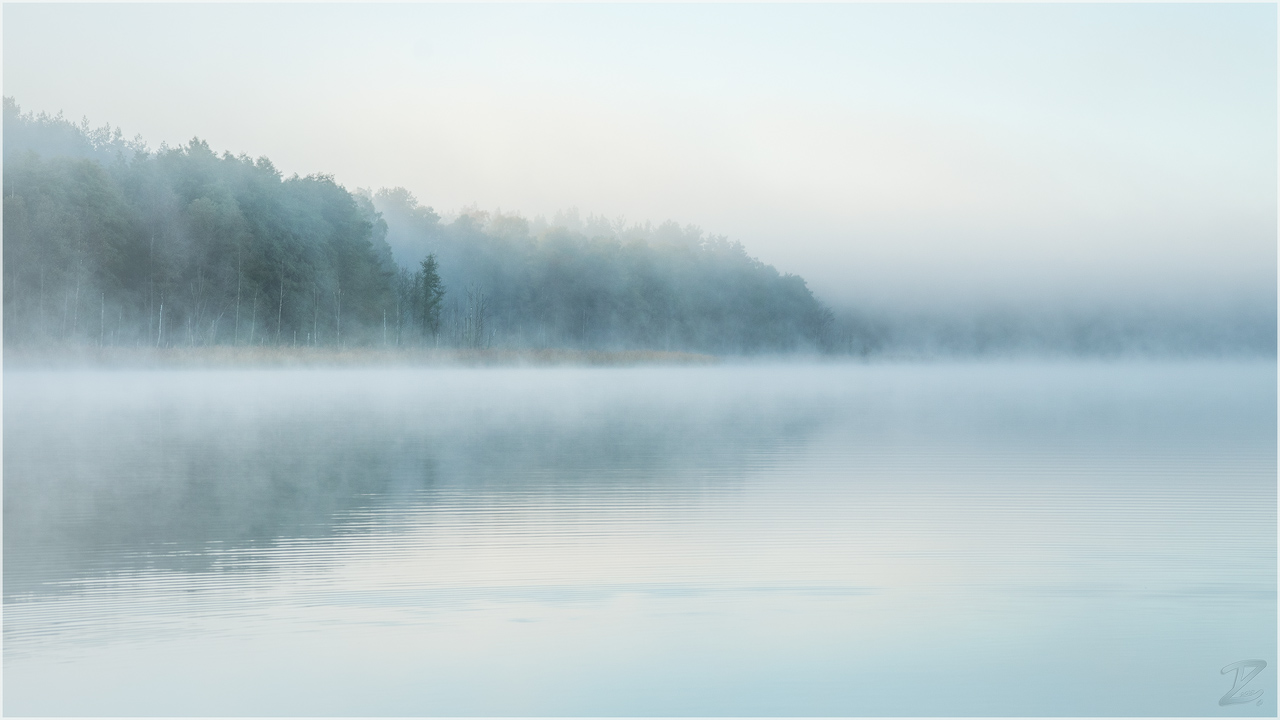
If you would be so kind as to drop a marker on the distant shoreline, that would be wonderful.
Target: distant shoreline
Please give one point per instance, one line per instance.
(225, 356)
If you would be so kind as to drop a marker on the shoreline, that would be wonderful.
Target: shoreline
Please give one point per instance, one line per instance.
(296, 357)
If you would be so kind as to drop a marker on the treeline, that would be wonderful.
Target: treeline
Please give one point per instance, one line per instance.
(602, 284)
(109, 243)
(114, 245)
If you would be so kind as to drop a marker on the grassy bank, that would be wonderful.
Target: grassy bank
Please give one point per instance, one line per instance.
(71, 357)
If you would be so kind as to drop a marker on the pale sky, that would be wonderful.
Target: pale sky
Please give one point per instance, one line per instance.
(924, 153)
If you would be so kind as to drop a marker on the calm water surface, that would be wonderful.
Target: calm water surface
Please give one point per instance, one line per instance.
(990, 539)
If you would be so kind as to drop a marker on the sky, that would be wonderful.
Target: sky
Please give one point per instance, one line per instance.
(917, 155)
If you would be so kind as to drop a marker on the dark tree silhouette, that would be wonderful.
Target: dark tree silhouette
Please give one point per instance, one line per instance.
(430, 295)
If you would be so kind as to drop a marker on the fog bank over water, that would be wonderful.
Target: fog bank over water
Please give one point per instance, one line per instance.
(1102, 328)
(750, 539)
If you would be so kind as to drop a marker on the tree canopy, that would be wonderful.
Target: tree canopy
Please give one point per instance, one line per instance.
(111, 243)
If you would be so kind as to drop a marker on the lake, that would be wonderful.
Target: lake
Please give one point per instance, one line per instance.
(986, 538)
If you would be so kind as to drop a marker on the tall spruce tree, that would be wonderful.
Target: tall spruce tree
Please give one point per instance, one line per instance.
(432, 295)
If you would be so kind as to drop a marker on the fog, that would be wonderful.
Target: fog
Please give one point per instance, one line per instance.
(653, 541)
(919, 166)
(139, 471)
(268, 455)
(651, 360)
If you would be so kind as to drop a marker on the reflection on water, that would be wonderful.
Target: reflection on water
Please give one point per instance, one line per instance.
(1047, 539)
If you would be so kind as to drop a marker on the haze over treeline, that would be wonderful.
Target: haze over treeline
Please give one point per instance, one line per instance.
(109, 243)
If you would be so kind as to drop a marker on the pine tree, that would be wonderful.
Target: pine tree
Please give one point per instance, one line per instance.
(431, 297)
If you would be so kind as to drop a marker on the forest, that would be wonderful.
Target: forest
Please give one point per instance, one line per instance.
(109, 243)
